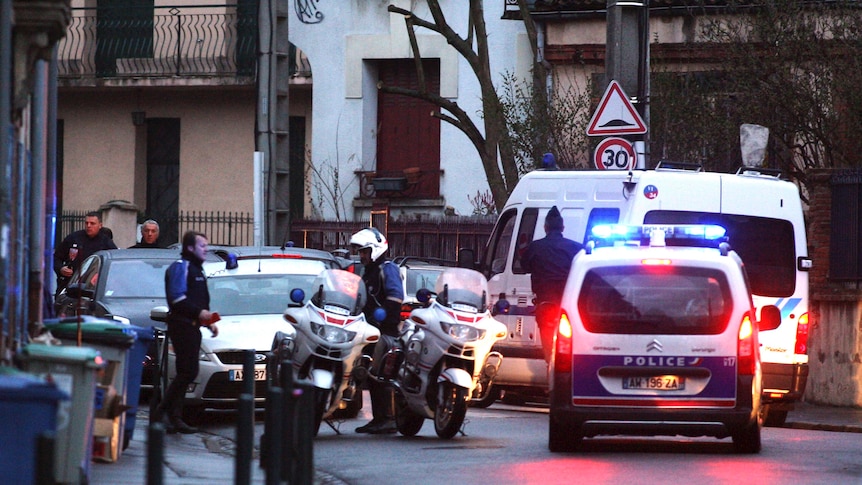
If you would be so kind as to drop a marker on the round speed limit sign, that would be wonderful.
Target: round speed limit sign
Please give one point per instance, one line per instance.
(615, 154)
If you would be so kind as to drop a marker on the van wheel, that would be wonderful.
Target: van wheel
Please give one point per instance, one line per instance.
(774, 418)
(562, 438)
(747, 440)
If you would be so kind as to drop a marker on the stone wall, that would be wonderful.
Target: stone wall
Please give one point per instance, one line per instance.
(835, 340)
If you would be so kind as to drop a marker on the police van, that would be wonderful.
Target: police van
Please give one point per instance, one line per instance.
(657, 335)
(761, 212)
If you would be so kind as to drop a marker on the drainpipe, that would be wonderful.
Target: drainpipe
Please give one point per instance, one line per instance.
(50, 190)
(5, 165)
(36, 203)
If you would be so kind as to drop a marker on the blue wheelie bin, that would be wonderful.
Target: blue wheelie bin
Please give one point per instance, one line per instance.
(137, 356)
(28, 408)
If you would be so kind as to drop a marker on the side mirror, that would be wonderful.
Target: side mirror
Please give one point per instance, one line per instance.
(502, 307)
(770, 317)
(423, 295)
(159, 314)
(77, 290)
(297, 296)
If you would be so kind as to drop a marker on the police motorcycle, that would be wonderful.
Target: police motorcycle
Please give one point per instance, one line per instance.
(331, 332)
(446, 353)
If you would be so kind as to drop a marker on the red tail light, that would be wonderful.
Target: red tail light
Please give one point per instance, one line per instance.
(747, 347)
(563, 351)
(802, 334)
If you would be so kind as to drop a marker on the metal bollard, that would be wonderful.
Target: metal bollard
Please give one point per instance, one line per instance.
(271, 441)
(155, 453)
(244, 439)
(248, 372)
(288, 420)
(44, 459)
(303, 471)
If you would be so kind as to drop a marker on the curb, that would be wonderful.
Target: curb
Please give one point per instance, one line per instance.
(840, 428)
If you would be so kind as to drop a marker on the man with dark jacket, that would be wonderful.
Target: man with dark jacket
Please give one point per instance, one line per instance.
(188, 304)
(548, 260)
(385, 290)
(78, 246)
(149, 235)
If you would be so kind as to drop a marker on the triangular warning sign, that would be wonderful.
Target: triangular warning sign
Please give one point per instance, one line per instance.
(616, 115)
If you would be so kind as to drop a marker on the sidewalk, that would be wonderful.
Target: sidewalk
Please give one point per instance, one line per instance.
(206, 459)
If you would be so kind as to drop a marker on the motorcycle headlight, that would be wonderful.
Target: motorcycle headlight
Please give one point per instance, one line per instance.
(467, 333)
(332, 334)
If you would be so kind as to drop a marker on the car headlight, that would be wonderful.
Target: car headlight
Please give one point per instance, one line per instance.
(467, 333)
(204, 355)
(332, 334)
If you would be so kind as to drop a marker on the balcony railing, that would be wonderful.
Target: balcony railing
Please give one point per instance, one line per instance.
(189, 41)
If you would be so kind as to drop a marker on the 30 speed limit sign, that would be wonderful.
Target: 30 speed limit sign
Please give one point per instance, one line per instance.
(615, 154)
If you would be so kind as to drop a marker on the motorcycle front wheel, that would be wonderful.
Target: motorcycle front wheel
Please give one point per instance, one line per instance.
(451, 410)
(321, 402)
(408, 422)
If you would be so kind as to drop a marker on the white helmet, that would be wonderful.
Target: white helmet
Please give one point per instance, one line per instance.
(370, 238)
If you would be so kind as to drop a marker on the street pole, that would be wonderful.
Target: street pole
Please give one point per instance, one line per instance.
(627, 59)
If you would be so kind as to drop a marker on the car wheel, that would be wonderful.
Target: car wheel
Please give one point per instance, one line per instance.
(747, 440)
(563, 438)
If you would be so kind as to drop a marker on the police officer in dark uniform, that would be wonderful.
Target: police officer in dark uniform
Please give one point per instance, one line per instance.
(548, 260)
(188, 301)
(385, 290)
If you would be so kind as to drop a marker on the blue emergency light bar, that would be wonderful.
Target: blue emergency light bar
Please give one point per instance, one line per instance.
(709, 234)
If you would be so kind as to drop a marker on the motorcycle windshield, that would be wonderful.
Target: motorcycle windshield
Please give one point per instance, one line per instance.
(462, 289)
(339, 291)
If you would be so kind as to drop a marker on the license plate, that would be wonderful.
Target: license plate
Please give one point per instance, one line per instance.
(654, 383)
(236, 375)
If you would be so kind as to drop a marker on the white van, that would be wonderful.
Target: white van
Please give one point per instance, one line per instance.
(761, 213)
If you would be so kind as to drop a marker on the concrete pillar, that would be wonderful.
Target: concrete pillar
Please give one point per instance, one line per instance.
(121, 217)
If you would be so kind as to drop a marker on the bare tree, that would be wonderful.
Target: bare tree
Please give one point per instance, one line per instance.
(495, 146)
(788, 65)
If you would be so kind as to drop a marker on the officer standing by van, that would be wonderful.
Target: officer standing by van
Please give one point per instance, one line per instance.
(548, 260)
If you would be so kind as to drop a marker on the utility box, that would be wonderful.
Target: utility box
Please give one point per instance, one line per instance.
(73, 370)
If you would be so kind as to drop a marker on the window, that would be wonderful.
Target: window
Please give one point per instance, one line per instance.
(766, 245)
(499, 243)
(845, 251)
(649, 300)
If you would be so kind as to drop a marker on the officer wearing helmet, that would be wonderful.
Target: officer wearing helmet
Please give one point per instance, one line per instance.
(383, 284)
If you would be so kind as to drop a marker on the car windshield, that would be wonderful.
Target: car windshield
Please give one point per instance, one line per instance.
(643, 300)
(339, 291)
(138, 278)
(462, 289)
(254, 294)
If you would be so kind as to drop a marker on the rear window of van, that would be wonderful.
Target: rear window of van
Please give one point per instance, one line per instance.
(655, 300)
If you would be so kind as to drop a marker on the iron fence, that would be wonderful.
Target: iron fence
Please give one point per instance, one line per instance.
(437, 238)
(221, 228)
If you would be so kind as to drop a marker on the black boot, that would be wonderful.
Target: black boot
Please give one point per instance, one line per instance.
(180, 426)
(385, 403)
